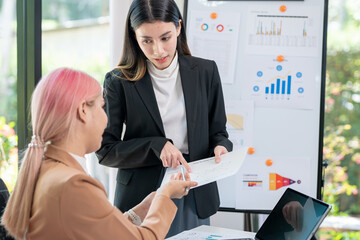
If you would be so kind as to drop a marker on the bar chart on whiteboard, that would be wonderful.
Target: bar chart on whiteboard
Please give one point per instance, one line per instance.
(289, 83)
(294, 31)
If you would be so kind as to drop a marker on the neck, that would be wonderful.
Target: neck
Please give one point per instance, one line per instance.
(71, 144)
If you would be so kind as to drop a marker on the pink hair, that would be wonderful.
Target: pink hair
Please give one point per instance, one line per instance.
(53, 111)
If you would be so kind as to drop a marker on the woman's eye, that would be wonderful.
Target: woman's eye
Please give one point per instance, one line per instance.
(147, 41)
(165, 38)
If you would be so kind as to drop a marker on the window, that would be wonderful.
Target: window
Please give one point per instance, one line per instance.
(8, 95)
(75, 34)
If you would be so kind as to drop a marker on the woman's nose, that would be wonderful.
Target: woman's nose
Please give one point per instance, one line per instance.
(158, 49)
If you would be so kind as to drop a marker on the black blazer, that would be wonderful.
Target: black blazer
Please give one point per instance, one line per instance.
(137, 155)
(4, 197)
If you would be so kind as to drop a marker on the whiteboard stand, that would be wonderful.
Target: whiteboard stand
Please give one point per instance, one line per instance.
(247, 222)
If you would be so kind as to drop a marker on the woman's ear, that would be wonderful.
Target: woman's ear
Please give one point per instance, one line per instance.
(82, 111)
(178, 29)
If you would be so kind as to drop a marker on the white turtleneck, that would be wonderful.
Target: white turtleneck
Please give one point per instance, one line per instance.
(170, 99)
(81, 161)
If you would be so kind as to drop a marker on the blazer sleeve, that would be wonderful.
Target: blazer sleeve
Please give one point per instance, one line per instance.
(217, 116)
(114, 151)
(86, 213)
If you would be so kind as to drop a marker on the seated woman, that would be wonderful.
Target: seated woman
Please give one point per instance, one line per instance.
(54, 197)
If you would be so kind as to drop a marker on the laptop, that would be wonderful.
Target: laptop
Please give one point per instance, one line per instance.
(296, 216)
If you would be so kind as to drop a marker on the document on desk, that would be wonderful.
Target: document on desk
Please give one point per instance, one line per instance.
(206, 170)
(199, 235)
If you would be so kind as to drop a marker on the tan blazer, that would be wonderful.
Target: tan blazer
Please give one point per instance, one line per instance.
(69, 204)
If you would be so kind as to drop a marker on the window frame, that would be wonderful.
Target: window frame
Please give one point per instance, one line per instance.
(28, 14)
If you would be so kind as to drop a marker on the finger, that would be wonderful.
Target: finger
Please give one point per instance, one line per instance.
(164, 161)
(178, 176)
(185, 164)
(174, 163)
(217, 153)
(217, 158)
(190, 184)
(187, 176)
(172, 176)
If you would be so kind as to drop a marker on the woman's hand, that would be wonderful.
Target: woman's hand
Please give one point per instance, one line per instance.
(177, 188)
(142, 208)
(219, 150)
(172, 157)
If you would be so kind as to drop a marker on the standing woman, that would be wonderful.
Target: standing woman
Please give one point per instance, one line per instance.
(165, 108)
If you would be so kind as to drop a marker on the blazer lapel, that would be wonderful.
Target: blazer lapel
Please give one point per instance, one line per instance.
(189, 80)
(147, 94)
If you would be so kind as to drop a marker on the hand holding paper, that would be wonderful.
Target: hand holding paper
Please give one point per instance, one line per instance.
(218, 151)
(206, 170)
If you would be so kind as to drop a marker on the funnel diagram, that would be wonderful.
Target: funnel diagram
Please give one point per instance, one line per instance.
(276, 181)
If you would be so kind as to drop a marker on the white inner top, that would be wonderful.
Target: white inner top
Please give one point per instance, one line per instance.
(170, 100)
(82, 161)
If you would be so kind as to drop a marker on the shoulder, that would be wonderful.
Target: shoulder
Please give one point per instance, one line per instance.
(69, 184)
(115, 77)
(56, 176)
(83, 185)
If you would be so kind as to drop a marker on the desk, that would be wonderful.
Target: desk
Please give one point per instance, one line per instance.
(211, 230)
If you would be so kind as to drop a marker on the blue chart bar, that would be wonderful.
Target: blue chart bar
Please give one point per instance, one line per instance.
(279, 87)
(283, 87)
(289, 85)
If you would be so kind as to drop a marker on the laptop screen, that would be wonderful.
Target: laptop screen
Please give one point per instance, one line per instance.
(296, 217)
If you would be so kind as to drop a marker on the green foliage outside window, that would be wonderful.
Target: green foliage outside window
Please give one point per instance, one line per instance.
(8, 153)
(342, 114)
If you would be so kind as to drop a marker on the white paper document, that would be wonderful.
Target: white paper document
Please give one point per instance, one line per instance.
(206, 170)
(198, 235)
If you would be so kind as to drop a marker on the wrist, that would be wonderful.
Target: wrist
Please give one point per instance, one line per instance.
(164, 191)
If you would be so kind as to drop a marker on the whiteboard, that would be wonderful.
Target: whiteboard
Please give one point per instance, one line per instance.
(270, 59)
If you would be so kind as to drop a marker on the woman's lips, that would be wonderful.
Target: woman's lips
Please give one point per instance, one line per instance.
(161, 60)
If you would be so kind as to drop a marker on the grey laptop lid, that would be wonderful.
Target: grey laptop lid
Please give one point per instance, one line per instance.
(296, 216)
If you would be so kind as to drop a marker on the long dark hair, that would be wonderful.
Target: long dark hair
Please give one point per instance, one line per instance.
(133, 61)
